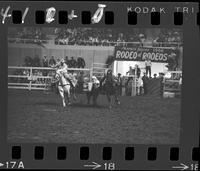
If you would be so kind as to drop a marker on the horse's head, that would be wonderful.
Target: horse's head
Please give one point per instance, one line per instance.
(55, 78)
(57, 75)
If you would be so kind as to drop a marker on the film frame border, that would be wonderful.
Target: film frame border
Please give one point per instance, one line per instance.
(140, 151)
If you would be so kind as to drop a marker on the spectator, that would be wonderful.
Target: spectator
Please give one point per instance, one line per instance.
(28, 61)
(45, 61)
(131, 71)
(119, 84)
(145, 81)
(148, 66)
(36, 61)
(139, 86)
(73, 62)
(52, 61)
(45, 64)
(67, 60)
(80, 63)
(138, 71)
(154, 76)
(103, 37)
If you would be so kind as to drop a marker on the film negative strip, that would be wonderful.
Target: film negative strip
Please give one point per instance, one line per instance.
(99, 85)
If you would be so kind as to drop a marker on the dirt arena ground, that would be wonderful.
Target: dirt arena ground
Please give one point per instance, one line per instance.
(34, 116)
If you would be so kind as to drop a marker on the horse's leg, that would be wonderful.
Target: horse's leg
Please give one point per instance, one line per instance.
(88, 97)
(62, 94)
(68, 94)
(109, 100)
(73, 89)
(95, 95)
(117, 97)
(74, 93)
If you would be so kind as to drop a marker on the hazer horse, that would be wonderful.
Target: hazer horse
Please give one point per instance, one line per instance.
(64, 87)
(109, 85)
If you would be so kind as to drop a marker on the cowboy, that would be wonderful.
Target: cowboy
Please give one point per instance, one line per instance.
(137, 71)
(119, 84)
(52, 61)
(109, 79)
(80, 63)
(148, 66)
(45, 61)
(131, 71)
(94, 91)
(62, 68)
(154, 76)
(139, 86)
(145, 81)
(110, 86)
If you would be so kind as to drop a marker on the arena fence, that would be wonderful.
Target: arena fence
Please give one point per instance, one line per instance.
(25, 77)
(34, 78)
(99, 69)
(38, 78)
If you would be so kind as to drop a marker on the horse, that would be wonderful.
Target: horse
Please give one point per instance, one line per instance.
(109, 85)
(68, 84)
(64, 86)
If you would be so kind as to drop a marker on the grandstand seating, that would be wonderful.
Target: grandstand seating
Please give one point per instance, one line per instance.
(94, 36)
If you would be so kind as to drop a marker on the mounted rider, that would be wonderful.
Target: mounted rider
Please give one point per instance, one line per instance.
(109, 82)
(62, 68)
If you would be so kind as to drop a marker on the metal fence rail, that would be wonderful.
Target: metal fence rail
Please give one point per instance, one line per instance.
(29, 80)
(108, 43)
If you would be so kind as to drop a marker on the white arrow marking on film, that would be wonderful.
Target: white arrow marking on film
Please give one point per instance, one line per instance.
(182, 167)
(1, 164)
(95, 165)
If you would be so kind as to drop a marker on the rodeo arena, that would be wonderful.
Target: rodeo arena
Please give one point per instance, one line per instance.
(94, 85)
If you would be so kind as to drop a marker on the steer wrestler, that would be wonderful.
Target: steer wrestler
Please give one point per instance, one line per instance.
(94, 91)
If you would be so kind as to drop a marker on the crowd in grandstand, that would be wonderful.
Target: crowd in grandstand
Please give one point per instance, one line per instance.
(98, 36)
(112, 37)
(50, 62)
(27, 35)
